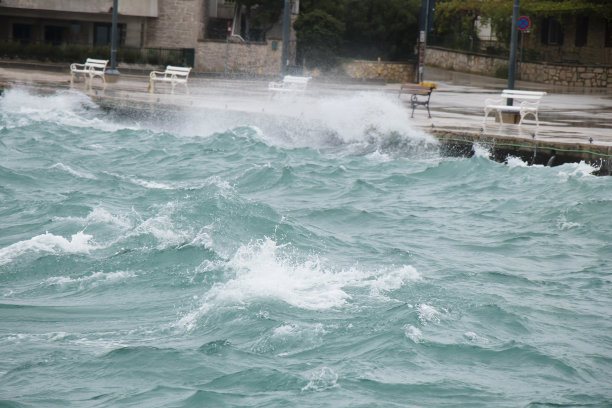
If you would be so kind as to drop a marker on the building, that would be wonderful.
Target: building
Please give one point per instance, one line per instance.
(198, 27)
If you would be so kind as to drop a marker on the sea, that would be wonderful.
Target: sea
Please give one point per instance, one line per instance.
(327, 255)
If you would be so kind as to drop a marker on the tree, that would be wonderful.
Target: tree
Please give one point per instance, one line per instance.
(366, 28)
(319, 38)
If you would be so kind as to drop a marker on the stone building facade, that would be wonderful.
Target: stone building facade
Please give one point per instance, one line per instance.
(167, 24)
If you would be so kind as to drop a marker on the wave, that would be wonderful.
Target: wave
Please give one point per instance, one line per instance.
(266, 270)
(49, 243)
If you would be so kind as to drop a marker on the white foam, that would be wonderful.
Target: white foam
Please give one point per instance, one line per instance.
(321, 380)
(574, 170)
(47, 242)
(265, 270)
(481, 151)
(428, 313)
(413, 333)
(513, 161)
(70, 170)
(92, 280)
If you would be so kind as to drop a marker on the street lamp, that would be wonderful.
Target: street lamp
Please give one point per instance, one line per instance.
(113, 62)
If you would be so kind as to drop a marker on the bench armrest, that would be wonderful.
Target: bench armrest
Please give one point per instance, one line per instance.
(493, 101)
(74, 66)
(154, 74)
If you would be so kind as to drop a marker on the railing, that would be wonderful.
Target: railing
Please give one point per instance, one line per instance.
(80, 52)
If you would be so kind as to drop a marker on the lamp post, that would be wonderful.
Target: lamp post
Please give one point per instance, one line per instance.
(286, 22)
(113, 61)
(513, 43)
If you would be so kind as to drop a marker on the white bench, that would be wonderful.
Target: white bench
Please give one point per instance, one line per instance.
(173, 75)
(290, 83)
(91, 68)
(528, 103)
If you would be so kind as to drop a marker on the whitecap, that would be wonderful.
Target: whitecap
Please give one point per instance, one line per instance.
(413, 333)
(93, 280)
(265, 270)
(321, 380)
(70, 170)
(47, 242)
(427, 313)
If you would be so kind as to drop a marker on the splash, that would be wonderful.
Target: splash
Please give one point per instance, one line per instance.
(264, 270)
(21, 107)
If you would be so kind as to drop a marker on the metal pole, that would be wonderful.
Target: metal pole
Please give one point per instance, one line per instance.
(513, 41)
(286, 23)
(113, 62)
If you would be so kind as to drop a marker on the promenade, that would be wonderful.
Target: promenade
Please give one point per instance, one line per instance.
(575, 124)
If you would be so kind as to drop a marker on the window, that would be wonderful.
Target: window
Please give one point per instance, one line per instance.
(608, 41)
(582, 29)
(54, 34)
(103, 31)
(551, 32)
(21, 32)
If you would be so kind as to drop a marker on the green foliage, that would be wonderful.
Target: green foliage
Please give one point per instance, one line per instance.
(320, 36)
(386, 29)
(365, 29)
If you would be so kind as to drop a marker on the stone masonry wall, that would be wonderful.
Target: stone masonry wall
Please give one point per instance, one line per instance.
(389, 71)
(178, 25)
(555, 74)
(254, 58)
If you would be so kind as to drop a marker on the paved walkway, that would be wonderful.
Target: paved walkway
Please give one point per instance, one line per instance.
(567, 116)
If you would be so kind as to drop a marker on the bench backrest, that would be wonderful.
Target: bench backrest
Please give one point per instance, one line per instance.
(96, 63)
(298, 82)
(182, 71)
(415, 89)
(522, 95)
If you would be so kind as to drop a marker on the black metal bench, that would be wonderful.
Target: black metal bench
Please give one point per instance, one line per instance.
(420, 95)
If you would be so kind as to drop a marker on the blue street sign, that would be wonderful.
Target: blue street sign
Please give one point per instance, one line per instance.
(524, 23)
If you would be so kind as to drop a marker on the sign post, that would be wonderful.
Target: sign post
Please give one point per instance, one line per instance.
(513, 41)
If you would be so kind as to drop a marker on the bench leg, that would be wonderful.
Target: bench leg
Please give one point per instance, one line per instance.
(428, 112)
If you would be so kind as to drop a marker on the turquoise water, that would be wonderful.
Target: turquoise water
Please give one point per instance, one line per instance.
(335, 259)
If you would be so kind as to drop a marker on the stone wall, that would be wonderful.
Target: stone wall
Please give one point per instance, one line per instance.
(389, 71)
(555, 74)
(245, 57)
(178, 26)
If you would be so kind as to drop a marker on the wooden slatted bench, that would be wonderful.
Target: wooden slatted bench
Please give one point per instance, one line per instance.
(91, 68)
(420, 94)
(172, 75)
(290, 83)
(528, 104)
